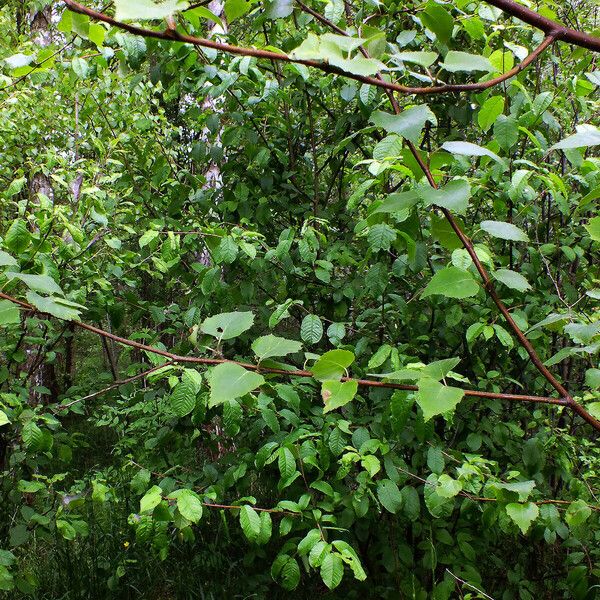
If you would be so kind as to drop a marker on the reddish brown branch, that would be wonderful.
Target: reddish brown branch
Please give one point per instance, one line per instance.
(176, 358)
(379, 81)
(560, 32)
(489, 287)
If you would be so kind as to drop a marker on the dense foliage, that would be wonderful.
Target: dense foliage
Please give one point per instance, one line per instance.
(244, 353)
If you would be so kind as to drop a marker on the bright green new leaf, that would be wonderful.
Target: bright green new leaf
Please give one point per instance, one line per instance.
(337, 393)
(452, 283)
(435, 398)
(250, 523)
(332, 365)
(9, 313)
(188, 504)
(523, 514)
(492, 108)
(448, 487)
(226, 326)
(229, 381)
(126, 10)
(332, 570)
(577, 513)
(151, 499)
(268, 346)
(6, 260)
(4, 420)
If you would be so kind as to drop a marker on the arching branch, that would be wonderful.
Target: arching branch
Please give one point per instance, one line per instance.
(197, 360)
(558, 31)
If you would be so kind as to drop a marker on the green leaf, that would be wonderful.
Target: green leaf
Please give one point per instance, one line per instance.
(587, 135)
(234, 9)
(435, 460)
(4, 420)
(577, 513)
(57, 307)
(424, 59)
(336, 394)
(409, 123)
(437, 399)
(268, 346)
(469, 149)
(66, 529)
(290, 574)
(350, 557)
(332, 570)
(286, 463)
(9, 313)
(452, 282)
(32, 435)
(17, 238)
(131, 10)
(6, 260)
(504, 231)
(183, 398)
(151, 499)
(380, 237)
(311, 329)
(492, 108)
(148, 237)
(188, 504)
(523, 514)
(332, 365)
(395, 203)
(462, 61)
(454, 196)
(279, 9)
(39, 283)
(226, 326)
(229, 381)
(506, 132)
(512, 279)
(448, 487)
(250, 523)
(439, 20)
(593, 228)
(389, 495)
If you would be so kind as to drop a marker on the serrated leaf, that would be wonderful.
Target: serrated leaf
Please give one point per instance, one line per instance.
(183, 398)
(337, 394)
(332, 570)
(17, 238)
(523, 514)
(229, 381)
(332, 365)
(39, 283)
(435, 398)
(380, 237)
(188, 504)
(57, 307)
(32, 435)
(9, 313)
